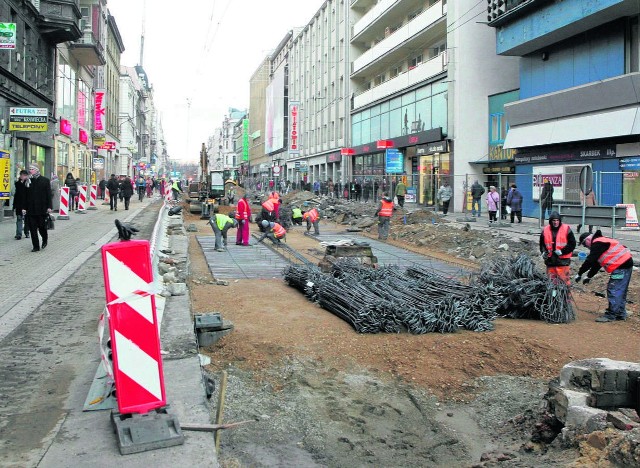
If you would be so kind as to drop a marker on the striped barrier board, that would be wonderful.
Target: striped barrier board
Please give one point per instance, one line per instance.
(82, 199)
(63, 212)
(93, 197)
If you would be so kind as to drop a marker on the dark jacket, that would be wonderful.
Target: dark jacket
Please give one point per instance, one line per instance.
(554, 260)
(591, 263)
(20, 198)
(514, 199)
(39, 196)
(546, 197)
(70, 182)
(102, 184)
(113, 186)
(127, 188)
(477, 190)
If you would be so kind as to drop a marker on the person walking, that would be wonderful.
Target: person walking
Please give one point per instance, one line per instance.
(70, 182)
(503, 203)
(114, 191)
(401, 191)
(221, 224)
(444, 196)
(587, 200)
(358, 189)
(127, 191)
(331, 188)
(514, 201)
(102, 185)
(140, 187)
(384, 213)
(312, 217)
(477, 191)
(243, 215)
(546, 200)
(149, 187)
(39, 205)
(557, 244)
(616, 260)
(275, 198)
(493, 201)
(20, 204)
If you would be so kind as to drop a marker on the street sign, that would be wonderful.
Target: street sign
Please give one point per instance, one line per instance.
(28, 119)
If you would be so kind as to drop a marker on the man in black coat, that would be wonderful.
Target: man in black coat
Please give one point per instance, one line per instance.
(39, 205)
(114, 188)
(20, 203)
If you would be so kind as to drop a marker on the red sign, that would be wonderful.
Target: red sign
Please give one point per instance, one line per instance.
(84, 137)
(99, 124)
(384, 144)
(109, 145)
(294, 146)
(65, 127)
(347, 151)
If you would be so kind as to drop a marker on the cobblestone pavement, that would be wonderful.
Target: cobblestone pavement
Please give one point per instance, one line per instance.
(54, 350)
(27, 278)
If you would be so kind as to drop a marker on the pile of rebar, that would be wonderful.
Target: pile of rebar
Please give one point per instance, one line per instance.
(421, 300)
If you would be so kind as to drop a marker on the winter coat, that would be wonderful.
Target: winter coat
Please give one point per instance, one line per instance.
(20, 197)
(70, 182)
(589, 200)
(514, 199)
(113, 186)
(493, 200)
(477, 190)
(401, 189)
(39, 196)
(127, 188)
(546, 197)
(445, 193)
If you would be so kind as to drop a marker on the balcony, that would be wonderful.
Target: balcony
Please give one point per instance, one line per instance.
(372, 15)
(88, 50)
(60, 20)
(422, 72)
(410, 32)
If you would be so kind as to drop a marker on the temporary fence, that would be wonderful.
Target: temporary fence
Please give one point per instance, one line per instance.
(93, 197)
(63, 211)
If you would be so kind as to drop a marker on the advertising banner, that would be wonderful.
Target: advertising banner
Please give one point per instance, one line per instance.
(410, 196)
(632, 216)
(245, 139)
(554, 174)
(8, 35)
(294, 131)
(5, 175)
(631, 196)
(100, 112)
(275, 113)
(393, 161)
(28, 119)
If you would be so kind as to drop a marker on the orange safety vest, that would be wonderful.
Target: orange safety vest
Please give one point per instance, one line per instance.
(279, 231)
(387, 209)
(615, 256)
(561, 239)
(311, 215)
(242, 210)
(268, 205)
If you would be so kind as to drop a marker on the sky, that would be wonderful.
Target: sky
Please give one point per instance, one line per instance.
(203, 52)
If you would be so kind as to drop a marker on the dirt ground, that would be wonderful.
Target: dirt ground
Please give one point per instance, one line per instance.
(324, 395)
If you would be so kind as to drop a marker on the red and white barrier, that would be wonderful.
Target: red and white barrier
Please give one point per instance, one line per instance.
(135, 339)
(63, 212)
(82, 198)
(168, 194)
(107, 200)
(93, 197)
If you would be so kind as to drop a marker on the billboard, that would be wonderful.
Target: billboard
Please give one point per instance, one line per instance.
(245, 139)
(7, 35)
(294, 128)
(274, 122)
(100, 110)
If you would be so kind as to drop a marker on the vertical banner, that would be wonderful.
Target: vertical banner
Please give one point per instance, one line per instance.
(5, 175)
(294, 131)
(7, 35)
(245, 139)
(100, 112)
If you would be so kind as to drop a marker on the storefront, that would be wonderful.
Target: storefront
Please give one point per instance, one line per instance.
(431, 165)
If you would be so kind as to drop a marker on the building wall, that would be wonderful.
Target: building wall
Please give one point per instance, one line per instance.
(589, 57)
(257, 112)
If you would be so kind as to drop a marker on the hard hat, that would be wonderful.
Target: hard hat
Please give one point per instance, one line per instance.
(272, 224)
(265, 223)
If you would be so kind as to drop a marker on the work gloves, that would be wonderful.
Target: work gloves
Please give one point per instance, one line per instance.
(578, 278)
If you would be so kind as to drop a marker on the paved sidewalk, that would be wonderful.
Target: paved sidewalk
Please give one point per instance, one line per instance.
(28, 278)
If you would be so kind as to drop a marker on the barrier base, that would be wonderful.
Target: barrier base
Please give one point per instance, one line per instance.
(63, 217)
(467, 219)
(92, 208)
(81, 211)
(143, 432)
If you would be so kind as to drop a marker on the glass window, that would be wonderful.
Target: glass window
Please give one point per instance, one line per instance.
(408, 98)
(384, 107)
(423, 114)
(395, 123)
(494, 128)
(384, 125)
(375, 110)
(375, 128)
(366, 114)
(439, 87)
(356, 135)
(356, 118)
(366, 131)
(439, 111)
(395, 103)
(408, 119)
(423, 92)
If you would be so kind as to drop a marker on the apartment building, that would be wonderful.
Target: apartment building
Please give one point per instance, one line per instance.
(257, 115)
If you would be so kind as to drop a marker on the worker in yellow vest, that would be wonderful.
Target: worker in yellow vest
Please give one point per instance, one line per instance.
(221, 224)
(384, 213)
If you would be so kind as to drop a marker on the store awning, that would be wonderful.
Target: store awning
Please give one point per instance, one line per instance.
(616, 123)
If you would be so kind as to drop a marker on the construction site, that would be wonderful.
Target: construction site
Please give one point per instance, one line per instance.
(443, 345)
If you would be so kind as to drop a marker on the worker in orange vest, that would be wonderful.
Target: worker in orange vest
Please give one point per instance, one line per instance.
(268, 210)
(616, 260)
(313, 219)
(384, 213)
(243, 215)
(275, 198)
(274, 231)
(557, 244)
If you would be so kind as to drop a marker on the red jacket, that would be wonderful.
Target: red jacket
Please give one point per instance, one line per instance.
(243, 210)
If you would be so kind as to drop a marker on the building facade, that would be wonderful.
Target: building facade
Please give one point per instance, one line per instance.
(578, 102)
(257, 115)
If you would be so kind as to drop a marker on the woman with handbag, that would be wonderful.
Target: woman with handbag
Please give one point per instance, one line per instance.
(493, 201)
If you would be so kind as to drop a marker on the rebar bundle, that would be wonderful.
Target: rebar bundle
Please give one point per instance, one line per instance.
(421, 300)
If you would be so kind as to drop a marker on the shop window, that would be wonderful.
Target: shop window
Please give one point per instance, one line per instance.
(498, 127)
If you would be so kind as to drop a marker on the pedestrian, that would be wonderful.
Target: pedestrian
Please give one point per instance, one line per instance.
(493, 201)
(546, 200)
(127, 191)
(273, 231)
(477, 191)
(296, 216)
(503, 203)
(384, 213)
(312, 217)
(401, 191)
(557, 244)
(514, 201)
(70, 182)
(102, 185)
(358, 189)
(149, 187)
(243, 215)
(444, 196)
(231, 195)
(316, 188)
(331, 188)
(120, 193)
(39, 205)
(587, 200)
(20, 204)
(616, 260)
(221, 224)
(140, 187)
(114, 192)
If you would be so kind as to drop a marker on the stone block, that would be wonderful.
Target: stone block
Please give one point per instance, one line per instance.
(594, 374)
(584, 419)
(562, 399)
(169, 277)
(177, 289)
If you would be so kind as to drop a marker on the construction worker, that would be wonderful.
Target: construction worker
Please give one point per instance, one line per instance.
(274, 231)
(384, 213)
(243, 215)
(220, 224)
(557, 243)
(176, 188)
(296, 216)
(313, 219)
(268, 210)
(275, 198)
(616, 260)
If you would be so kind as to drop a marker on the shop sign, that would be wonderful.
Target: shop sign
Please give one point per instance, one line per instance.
(499, 170)
(245, 139)
(98, 164)
(334, 158)
(566, 155)
(432, 148)
(83, 136)
(65, 127)
(435, 134)
(8, 35)
(99, 141)
(294, 130)
(5, 175)
(394, 161)
(108, 145)
(100, 111)
(630, 164)
(28, 119)
(498, 153)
